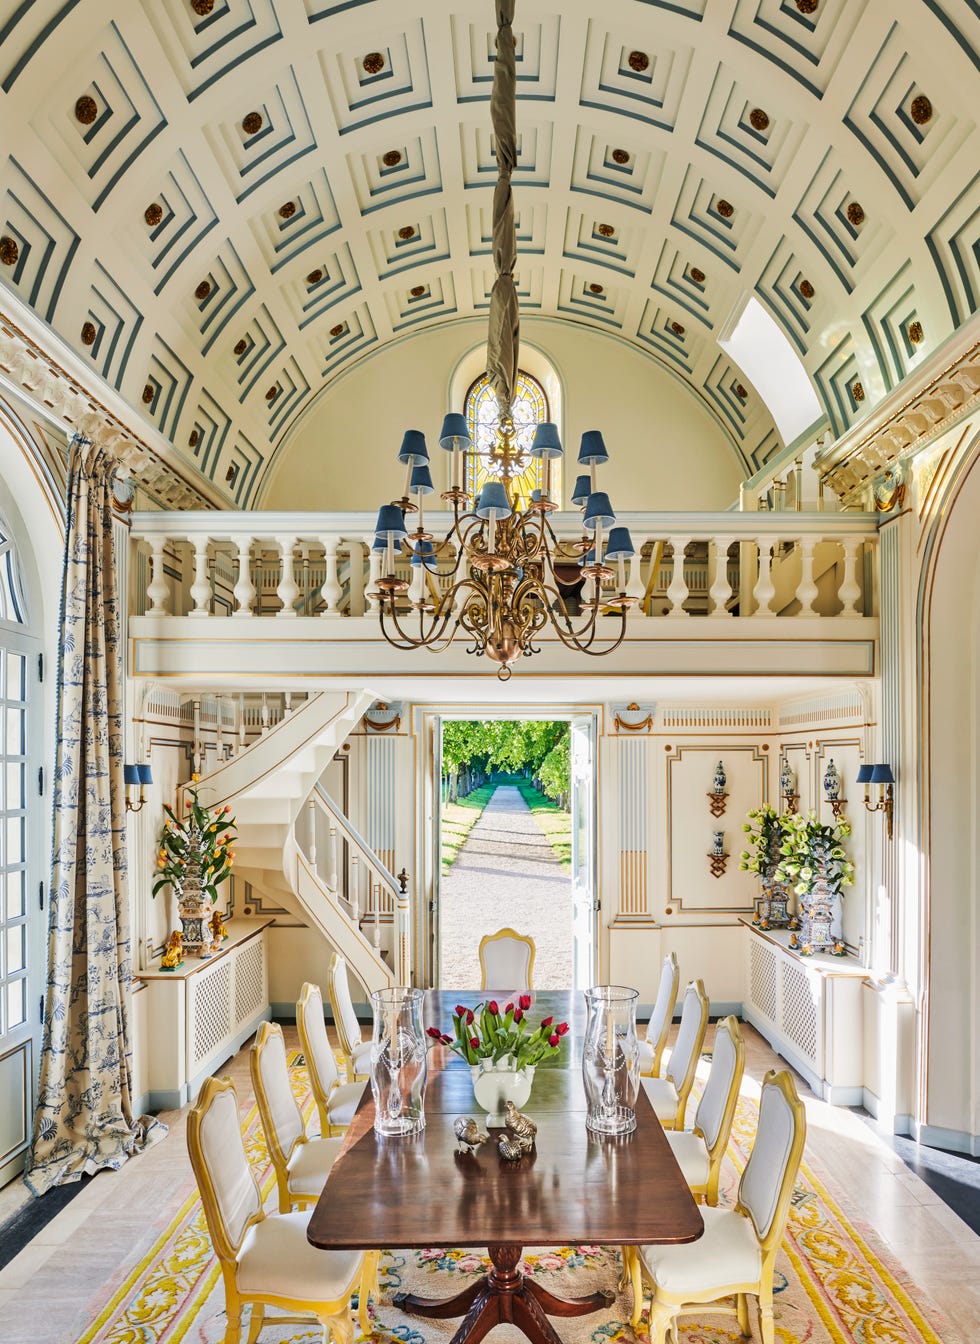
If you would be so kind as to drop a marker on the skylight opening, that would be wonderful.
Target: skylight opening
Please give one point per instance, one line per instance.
(763, 352)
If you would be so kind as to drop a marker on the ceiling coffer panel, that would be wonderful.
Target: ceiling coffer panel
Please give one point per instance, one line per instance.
(224, 207)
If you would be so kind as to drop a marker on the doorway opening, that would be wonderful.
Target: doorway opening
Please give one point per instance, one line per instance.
(515, 831)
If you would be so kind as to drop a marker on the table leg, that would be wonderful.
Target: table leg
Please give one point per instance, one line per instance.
(504, 1295)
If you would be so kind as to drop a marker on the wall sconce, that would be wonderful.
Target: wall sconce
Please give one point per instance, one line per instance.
(880, 774)
(787, 787)
(718, 797)
(136, 775)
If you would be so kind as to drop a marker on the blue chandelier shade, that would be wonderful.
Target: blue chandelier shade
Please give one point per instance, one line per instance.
(422, 480)
(390, 525)
(492, 503)
(882, 774)
(619, 545)
(424, 554)
(455, 432)
(413, 450)
(864, 774)
(546, 442)
(598, 511)
(592, 452)
(583, 488)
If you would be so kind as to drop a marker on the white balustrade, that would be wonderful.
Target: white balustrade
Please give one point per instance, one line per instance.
(784, 575)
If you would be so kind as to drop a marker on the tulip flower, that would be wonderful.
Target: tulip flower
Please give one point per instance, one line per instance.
(524, 1001)
(546, 1022)
(554, 1038)
(492, 1005)
(475, 1042)
(561, 1028)
(509, 1008)
(519, 1015)
(460, 1010)
(434, 1032)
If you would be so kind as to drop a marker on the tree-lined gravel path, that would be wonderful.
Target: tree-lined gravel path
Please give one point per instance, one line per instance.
(506, 874)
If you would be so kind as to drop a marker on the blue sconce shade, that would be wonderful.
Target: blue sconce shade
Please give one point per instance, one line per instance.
(492, 503)
(882, 774)
(379, 544)
(588, 558)
(583, 488)
(413, 448)
(620, 544)
(131, 774)
(424, 554)
(144, 774)
(455, 432)
(391, 524)
(546, 442)
(593, 450)
(864, 774)
(422, 480)
(598, 511)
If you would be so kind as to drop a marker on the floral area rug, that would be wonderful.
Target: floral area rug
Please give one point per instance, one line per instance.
(835, 1282)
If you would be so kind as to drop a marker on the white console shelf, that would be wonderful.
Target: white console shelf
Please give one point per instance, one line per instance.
(204, 1011)
(810, 1010)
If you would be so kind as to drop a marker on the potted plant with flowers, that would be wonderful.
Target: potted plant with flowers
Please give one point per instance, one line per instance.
(764, 838)
(814, 863)
(502, 1049)
(194, 858)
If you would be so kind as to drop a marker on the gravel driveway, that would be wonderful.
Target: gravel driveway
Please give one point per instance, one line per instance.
(506, 874)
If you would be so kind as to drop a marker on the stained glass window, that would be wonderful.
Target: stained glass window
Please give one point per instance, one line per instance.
(530, 408)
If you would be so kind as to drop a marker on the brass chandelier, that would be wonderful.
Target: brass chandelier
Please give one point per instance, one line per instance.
(493, 574)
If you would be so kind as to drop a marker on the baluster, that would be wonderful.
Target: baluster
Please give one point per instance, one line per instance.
(312, 854)
(197, 748)
(677, 592)
(721, 588)
(634, 587)
(332, 883)
(244, 589)
(287, 704)
(219, 733)
(331, 590)
(764, 590)
(265, 713)
(355, 887)
(241, 722)
(355, 554)
(288, 589)
(201, 588)
(849, 592)
(807, 589)
(375, 561)
(377, 915)
(158, 590)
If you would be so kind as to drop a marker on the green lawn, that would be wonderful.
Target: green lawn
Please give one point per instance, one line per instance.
(458, 819)
(556, 824)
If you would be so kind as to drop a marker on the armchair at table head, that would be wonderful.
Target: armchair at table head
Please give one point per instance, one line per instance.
(506, 960)
(737, 1253)
(301, 1165)
(356, 1052)
(265, 1260)
(336, 1101)
(668, 1095)
(658, 1028)
(700, 1151)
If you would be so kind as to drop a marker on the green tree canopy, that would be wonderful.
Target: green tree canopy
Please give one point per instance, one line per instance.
(539, 746)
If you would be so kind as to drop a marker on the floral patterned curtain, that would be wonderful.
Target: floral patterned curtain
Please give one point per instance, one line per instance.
(84, 1118)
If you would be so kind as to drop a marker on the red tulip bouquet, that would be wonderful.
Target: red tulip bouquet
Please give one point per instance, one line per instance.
(501, 1035)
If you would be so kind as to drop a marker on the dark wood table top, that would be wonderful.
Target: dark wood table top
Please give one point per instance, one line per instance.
(575, 1187)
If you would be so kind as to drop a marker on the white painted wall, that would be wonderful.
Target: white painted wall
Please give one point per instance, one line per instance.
(666, 450)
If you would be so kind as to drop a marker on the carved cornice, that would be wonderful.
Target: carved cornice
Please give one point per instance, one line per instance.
(59, 395)
(929, 402)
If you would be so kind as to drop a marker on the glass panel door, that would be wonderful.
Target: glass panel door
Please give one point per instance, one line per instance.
(583, 807)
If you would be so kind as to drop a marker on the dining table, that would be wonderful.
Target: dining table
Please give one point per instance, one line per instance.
(573, 1187)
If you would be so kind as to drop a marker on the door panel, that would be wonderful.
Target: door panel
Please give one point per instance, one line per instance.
(583, 810)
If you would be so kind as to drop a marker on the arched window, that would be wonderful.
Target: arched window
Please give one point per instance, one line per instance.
(11, 591)
(529, 409)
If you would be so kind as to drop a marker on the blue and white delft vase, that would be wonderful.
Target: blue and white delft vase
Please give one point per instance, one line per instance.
(718, 843)
(720, 779)
(831, 782)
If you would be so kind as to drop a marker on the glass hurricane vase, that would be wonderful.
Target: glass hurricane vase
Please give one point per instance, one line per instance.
(610, 1059)
(398, 1061)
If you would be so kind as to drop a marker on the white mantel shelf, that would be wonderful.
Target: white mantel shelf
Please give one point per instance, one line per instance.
(822, 961)
(239, 931)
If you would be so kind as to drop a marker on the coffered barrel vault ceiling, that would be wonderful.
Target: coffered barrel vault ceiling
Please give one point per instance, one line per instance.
(223, 205)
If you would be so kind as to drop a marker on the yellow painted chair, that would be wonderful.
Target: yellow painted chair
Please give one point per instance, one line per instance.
(699, 1152)
(266, 1261)
(736, 1256)
(356, 1052)
(301, 1164)
(668, 1095)
(658, 1028)
(506, 961)
(335, 1101)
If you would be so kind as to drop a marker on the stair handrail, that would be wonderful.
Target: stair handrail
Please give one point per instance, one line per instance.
(401, 901)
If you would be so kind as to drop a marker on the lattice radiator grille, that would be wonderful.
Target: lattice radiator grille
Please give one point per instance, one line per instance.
(762, 979)
(250, 992)
(799, 1010)
(210, 992)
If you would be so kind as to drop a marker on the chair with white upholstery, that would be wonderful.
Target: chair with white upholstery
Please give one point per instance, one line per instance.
(506, 960)
(356, 1052)
(301, 1164)
(658, 1028)
(266, 1261)
(335, 1101)
(668, 1095)
(736, 1256)
(699, 1152)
